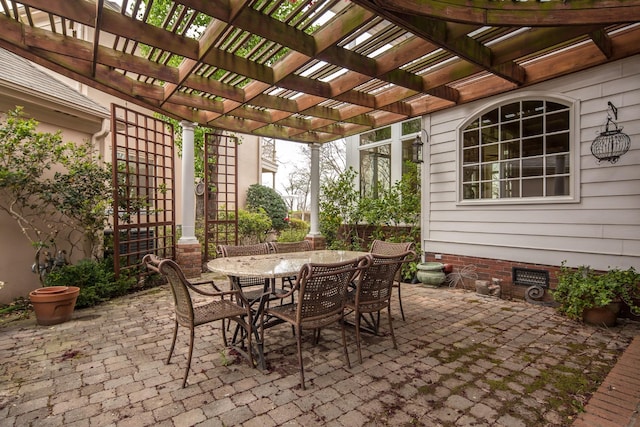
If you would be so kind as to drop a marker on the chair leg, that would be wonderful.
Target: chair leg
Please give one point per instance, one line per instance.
(186, 372)
(299, 341)
(400, 301)
(393, 336)
(376, 323)
(224, 333)
(344, 343)
(358, 315)
(173, 342)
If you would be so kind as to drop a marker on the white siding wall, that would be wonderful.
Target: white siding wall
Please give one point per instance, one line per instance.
(601, 229)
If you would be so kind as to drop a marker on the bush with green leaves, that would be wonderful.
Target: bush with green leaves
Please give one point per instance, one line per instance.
(298, 224)
(96, 280)
(342, 206)
(260, 196)
(57, 192)
(292, 235)
(582, 288)
(394, 215)
(253, 226)
(296, 231)
(339, 206)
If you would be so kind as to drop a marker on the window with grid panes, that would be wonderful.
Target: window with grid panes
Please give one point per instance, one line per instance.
(516, 151)
(375, 162)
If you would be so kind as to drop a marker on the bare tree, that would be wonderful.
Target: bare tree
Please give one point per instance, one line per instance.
(297, 189)
(332, 159)
(298, 183)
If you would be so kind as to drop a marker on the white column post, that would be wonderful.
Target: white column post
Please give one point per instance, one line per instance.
(188, 182)
(315, 190)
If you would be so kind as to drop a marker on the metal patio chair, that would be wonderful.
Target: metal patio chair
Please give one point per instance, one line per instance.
(321, 294)
(288, 247)
(253, 287)
(221, 307)
(382, 247)
(372, 293)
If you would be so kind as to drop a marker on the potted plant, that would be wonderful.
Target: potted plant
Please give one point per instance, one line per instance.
(58, 193)
(593, 297)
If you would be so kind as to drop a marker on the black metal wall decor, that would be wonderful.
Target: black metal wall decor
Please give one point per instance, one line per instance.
(612, 143)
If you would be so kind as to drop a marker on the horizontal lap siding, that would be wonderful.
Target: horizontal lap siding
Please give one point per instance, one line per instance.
(603, 227)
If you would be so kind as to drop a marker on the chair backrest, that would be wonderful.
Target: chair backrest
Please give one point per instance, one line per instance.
(241, 250)
(323, 289)
(285, 247)
(382, 247)
(177, 281)
(374, 284)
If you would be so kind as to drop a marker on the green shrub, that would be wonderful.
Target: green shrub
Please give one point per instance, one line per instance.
(339, 206)
(96, 280)
(253, 226)
(292, 235)
(56, 192)
(259, 196)
(582, 288)
(299, 225)
(296, 231)
(343, 212)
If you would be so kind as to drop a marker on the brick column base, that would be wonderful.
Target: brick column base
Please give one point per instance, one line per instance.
(189, 257)
(317, 242)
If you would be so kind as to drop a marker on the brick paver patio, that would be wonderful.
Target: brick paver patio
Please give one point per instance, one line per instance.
(463, 360)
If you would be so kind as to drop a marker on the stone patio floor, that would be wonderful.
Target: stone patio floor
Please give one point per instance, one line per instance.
(462, 360)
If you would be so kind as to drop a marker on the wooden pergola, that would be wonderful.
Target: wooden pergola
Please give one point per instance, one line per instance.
(316, 70)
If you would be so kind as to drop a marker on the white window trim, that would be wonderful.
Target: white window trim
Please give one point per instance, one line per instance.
(574, 156)
(395, 142)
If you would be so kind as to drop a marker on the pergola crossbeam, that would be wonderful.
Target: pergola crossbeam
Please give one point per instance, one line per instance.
(315, 71)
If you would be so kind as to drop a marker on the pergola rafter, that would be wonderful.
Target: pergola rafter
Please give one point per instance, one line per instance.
(311, 70)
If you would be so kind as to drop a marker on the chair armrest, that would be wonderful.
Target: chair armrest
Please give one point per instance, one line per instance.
(205, 282)
(412, 256)
(220, 294)
(285, 295)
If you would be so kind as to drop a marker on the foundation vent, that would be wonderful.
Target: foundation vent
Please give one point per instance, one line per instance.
(530, 277)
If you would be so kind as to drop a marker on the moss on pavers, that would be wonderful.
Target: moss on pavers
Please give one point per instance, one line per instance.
(460, 361)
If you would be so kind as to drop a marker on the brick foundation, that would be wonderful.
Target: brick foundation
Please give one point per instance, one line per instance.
(317, 242)
(189, 257)
(488, 269)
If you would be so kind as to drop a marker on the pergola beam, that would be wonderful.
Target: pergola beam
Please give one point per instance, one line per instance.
(316, 71)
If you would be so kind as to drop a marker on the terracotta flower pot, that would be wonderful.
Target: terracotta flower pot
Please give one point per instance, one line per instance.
(600, 316)
(54, 304)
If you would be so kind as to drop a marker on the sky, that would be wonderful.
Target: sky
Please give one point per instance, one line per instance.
(289, 156)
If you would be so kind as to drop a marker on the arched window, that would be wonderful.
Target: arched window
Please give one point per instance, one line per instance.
(519, 150)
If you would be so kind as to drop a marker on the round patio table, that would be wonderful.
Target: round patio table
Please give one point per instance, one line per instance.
(274, 266)
(271, 267)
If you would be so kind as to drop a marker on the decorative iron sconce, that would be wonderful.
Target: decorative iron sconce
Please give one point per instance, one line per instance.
(416, 155)
(610, 144)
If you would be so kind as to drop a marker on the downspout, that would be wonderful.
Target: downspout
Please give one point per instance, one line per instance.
(98, 138)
